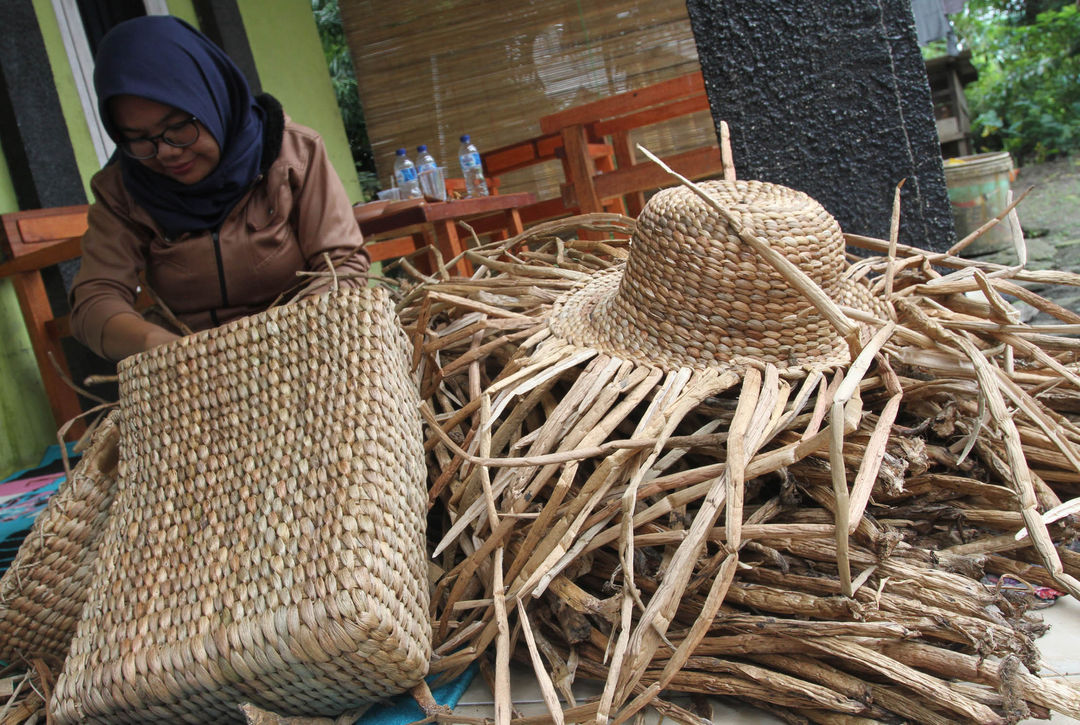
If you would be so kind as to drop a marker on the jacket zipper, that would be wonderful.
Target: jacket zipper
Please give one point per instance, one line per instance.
(221, 277)
(217, 255)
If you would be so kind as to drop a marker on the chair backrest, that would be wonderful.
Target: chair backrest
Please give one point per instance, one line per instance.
(611, 120)
(634, 109)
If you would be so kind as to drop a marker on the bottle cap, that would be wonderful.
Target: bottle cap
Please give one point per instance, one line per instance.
(465, 138)
(422, 148)
(401, 152)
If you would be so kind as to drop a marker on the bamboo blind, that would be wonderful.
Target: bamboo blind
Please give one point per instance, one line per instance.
(429, 72)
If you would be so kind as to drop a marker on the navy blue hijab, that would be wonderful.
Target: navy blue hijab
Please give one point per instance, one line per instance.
(164, 59)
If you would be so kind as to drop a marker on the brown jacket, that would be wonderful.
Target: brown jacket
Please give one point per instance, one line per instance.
(294, 213)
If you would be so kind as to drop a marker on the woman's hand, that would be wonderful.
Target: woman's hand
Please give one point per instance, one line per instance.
(125, 335)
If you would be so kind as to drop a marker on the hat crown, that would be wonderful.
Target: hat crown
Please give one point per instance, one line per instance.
(692, 293)
(687, 260)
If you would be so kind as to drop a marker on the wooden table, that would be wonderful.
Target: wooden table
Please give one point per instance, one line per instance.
(437, 222)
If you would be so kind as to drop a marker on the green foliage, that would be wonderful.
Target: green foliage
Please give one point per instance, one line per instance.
(1027, 98)
(336, 50)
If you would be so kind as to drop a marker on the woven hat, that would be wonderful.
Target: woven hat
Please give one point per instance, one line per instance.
(43, 592)
(693, 294)
(267, 542)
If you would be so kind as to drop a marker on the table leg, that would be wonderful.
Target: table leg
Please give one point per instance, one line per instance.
(515, 221)
(426, 239)
(450, 245)
(512, 226)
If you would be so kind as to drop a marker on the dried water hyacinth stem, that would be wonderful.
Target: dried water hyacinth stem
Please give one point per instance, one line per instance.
(1021, 475)
(583, 488)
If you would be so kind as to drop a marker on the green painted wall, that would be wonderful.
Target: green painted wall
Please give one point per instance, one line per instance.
(292, 67)
(25, 419)
(185, 10)
(8, 202)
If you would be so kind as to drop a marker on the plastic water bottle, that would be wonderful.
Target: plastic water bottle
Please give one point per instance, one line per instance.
(405, 176)
(431, 181)
(471, 168)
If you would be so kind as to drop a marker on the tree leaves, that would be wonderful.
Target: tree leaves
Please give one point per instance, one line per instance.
(343, 76)
(1028, 93)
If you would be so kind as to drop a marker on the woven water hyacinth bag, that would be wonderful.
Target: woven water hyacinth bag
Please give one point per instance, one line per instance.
(43, 592)
(267, 542)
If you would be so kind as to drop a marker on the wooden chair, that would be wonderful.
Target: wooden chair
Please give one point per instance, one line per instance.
(32, 241)
(612, 120)
(539, 150)
(600, 167)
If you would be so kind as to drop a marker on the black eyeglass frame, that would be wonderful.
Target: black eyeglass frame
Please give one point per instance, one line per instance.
(125, 144)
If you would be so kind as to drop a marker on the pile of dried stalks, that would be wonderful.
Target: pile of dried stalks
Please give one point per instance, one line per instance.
(576, 499)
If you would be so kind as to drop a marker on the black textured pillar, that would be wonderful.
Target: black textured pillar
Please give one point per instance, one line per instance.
(33, 134)
(220, 20)
(830, 98)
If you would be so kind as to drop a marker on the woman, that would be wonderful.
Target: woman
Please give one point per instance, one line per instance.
(216, 196)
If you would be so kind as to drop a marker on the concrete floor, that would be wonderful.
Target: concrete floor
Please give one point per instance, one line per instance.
(1060, 648)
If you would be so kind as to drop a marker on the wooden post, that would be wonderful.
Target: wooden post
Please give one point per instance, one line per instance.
(581, 169)
(36, 310)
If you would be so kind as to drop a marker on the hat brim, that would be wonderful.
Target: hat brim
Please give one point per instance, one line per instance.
(586, 316)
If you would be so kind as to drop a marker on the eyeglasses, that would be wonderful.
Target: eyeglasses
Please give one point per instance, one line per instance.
(177, 135)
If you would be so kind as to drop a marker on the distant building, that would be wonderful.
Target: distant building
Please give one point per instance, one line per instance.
(948, 75)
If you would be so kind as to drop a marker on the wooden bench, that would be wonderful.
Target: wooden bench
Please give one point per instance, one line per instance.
(32, 241)
(593, 141)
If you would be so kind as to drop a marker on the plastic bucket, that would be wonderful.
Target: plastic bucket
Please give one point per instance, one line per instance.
(979, 191)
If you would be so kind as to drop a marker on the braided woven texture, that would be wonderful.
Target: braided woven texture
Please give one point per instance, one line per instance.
(267, 542)
(43, 592)
(693, 294)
